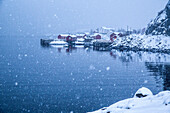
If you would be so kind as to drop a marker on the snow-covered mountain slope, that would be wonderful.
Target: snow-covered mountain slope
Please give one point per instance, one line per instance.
(157, 43)
(161, 24)
(148, 103)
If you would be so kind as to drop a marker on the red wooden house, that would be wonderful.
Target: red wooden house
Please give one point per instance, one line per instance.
(96, 36)
(62, 36)
(120, 35)
(113, 36)
(71, 38)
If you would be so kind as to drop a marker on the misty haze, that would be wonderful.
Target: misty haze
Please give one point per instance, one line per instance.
(78, 56)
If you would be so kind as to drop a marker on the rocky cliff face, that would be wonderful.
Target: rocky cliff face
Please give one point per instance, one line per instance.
(161, 24)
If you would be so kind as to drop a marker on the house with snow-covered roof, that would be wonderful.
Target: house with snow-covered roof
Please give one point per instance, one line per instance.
(71, 38)
(80, 35)
(96, 36)
(114, 35)
(62, 36)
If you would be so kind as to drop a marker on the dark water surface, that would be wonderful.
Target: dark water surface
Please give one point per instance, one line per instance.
(62, 80)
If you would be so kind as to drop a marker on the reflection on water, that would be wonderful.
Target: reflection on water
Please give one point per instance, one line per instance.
(160, 71)
(140, 56)
(59, 79)
(158, 63)
(67, 49)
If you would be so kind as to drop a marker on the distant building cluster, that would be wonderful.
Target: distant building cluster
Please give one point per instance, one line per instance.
(97, 34)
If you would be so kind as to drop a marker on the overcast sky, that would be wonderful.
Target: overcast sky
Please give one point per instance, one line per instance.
(59, 16)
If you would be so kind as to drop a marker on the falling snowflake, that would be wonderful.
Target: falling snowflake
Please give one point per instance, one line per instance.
(19, 57)
(146, 81)
(108, 68)
(92, 67)
(16, 83)
(25, 55)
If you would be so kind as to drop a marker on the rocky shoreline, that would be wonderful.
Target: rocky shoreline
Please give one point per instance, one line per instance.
(155, 44)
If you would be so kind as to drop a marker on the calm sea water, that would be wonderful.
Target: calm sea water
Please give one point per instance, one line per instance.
(34, 78)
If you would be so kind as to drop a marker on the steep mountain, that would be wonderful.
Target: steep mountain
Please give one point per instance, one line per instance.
(161, 24)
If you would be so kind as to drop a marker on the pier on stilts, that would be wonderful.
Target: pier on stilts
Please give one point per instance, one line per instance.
(99, 45)
(102, 45)
(46, 42)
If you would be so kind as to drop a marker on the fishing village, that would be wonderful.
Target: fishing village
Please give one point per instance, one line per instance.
(85, 56)
(99, 39)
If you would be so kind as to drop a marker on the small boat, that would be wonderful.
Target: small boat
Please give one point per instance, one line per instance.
(57, 46)
(79, 41)
(58, 42)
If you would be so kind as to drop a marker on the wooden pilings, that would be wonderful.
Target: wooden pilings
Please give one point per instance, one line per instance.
(46, 42)
(102, 45)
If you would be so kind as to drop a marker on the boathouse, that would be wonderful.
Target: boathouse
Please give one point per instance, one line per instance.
(62, 36)
(113, 36)
(71, 38)
(96, 36)
(120, 35)
(80, 35)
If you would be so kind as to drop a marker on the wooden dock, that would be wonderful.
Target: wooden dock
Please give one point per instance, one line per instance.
(102, 45)
(46, 42)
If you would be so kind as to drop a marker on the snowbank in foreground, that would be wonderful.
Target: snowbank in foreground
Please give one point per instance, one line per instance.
(143, 102)
(156, 43)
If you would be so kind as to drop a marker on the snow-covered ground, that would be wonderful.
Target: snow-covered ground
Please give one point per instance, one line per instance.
(142, 102)
(157, 43)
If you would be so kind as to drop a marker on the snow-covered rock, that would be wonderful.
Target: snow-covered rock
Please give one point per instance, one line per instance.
(161, 24)
(159, 103)
(143, 92)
